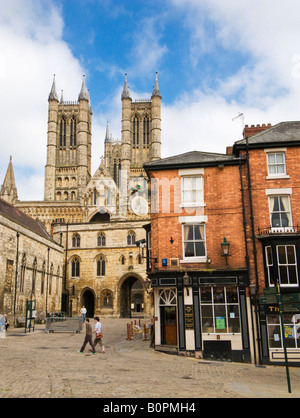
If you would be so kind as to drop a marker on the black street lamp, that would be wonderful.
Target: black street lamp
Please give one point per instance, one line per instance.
(225, 249)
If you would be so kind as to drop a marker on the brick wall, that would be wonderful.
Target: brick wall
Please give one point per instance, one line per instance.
(223, 207)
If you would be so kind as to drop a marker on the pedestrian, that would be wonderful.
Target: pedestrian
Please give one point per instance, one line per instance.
(99, 335)
(88, 337)
(83, 313)
(6, 322)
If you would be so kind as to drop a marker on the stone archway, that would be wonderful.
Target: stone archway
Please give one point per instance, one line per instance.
(88, 300)
(132, 294)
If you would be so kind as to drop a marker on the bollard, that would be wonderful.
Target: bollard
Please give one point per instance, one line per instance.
(128, 332)
(145, 334)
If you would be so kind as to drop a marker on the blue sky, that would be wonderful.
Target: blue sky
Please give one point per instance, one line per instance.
(214, 59)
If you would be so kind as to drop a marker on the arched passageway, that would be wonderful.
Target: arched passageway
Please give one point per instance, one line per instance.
(131, 297)
(88, 300)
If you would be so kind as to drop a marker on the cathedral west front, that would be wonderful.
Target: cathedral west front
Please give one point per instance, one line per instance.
(97, 218)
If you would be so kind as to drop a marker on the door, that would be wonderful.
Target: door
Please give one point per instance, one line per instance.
(168, 325)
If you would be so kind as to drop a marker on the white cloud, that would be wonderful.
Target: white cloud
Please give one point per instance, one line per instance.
(265, 87)
(31, 51)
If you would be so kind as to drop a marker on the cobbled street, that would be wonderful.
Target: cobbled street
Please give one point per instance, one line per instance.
(47, 365)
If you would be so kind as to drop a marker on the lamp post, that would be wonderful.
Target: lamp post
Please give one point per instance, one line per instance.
(225, 249)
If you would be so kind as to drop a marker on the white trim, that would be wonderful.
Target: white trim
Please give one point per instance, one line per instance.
(190, 260)
(279, 191)
(193, 219)
(275, 150)
(191, 171)
(277, 176)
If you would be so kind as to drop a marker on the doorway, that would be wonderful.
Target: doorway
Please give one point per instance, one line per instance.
(88, 300)
(168, 316)
(168, 319)
(131, 297)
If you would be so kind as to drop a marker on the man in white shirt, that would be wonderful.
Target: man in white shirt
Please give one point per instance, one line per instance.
(83, 313)
(99, 335)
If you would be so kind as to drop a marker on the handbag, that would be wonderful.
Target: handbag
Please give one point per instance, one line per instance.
(99, 335)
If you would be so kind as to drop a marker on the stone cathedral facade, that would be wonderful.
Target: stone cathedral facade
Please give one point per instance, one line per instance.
(98, 218)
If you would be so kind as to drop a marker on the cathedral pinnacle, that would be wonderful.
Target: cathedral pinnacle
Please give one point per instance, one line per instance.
(84, 94)
(53, 95)
(107, 133)
(125, 92)
(156, 91)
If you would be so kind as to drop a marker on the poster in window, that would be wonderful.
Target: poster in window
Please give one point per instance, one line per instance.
(220, 322)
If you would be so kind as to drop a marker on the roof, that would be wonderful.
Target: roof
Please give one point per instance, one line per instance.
(287, 133)
(192, 159)
(13, 214)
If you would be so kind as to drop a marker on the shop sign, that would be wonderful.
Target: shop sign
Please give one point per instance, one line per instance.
(189, 316)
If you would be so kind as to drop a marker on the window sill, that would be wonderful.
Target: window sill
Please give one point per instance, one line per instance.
(280, 176)
(193, 205)
(193, 260)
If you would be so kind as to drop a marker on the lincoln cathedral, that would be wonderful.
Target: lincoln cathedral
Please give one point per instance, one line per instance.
(96, 218)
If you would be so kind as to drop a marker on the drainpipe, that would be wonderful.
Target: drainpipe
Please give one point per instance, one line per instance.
(254, 252)
(47, 282)
(16, 278)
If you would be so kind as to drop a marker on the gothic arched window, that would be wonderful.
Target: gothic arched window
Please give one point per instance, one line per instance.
(146, 131)
(22, 276)
(43, 278)
(75, 267)
(62, 132)
(101, 240)
(76, 241)
(135, 132)
(73, 132)
(101, 266)
(34, 270)
(131, 238)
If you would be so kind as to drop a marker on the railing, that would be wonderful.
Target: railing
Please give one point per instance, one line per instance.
(276, 230)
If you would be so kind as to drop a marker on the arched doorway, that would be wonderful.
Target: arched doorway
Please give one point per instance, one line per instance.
(88, 300)
(131, 297)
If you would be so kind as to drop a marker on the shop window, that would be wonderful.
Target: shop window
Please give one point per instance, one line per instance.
(220, 311)
(291, 324)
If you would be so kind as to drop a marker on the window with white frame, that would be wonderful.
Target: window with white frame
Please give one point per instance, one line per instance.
(192, 191)
(291, 324)
(287, 265)
(280, 211)
(194, 243)
(220, 312)
(276, 163)
(270, 265)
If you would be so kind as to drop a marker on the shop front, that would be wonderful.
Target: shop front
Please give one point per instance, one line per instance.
(279, 330)
(205, 317)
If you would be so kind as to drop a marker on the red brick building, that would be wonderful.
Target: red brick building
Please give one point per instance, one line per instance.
(206, 298)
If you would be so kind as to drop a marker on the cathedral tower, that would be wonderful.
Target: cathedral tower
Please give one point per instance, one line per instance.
(68, 167)
(141, 128)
